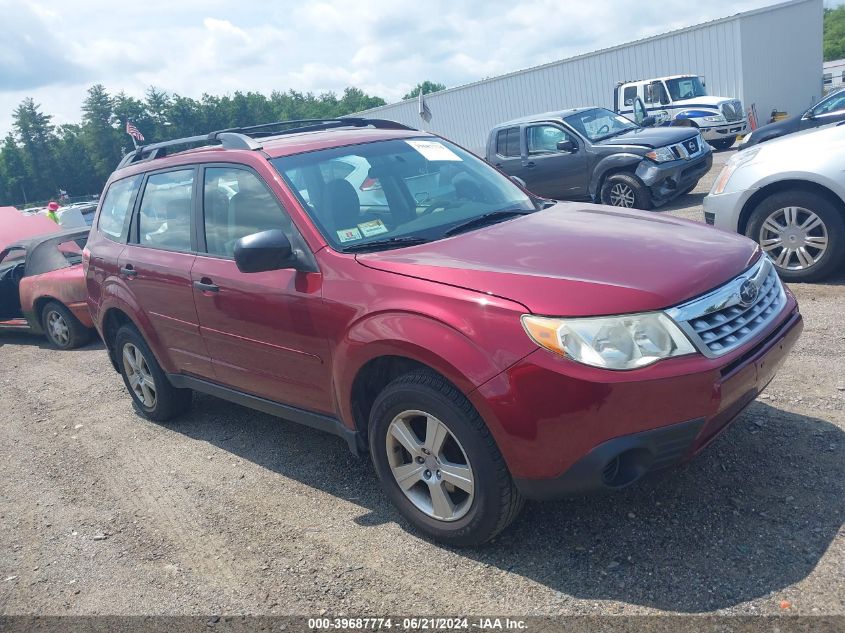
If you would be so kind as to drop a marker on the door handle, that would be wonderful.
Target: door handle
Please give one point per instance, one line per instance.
(206, 285)
(129, 271)
(530, 164)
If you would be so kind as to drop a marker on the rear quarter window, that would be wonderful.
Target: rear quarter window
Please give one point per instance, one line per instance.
(116, 207)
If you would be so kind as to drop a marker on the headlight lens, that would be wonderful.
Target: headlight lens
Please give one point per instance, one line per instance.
(736, 161)
(715, 119)
(661, 155)
(621, 342)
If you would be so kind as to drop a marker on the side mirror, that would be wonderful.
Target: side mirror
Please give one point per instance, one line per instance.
(567, 146)
(648, 121)
(267, 250)
(519, 181)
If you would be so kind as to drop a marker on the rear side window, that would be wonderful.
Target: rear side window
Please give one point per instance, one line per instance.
(236, 203)
(630, 95)
(116, 206)
(507, 142)
(165, 217)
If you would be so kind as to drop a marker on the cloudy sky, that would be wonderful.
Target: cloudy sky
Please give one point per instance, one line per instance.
(52, 50)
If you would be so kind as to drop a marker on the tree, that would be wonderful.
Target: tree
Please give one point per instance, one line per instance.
(14, 172)
(101, 138)
(35, 134)
(834, 33)
(425, 87)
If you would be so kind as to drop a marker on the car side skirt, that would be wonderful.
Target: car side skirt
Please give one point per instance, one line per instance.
(317, 421)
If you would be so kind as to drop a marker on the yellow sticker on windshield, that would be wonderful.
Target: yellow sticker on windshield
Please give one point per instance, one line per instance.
(434, 150)
(347, 235)
(373, 227)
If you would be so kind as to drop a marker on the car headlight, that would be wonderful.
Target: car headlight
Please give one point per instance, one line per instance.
(718, 118)
(620, 342)
(736, 161)
(661, 155)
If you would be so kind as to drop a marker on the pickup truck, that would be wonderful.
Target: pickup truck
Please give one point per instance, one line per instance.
(682, 100)
(597, 155)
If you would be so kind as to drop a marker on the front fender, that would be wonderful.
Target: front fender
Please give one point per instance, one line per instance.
(612, 162)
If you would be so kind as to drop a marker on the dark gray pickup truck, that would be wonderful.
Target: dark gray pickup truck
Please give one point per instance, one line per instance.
(595, 154)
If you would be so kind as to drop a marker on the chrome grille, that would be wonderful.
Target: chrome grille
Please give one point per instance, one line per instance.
(729, 317)
(732, 111)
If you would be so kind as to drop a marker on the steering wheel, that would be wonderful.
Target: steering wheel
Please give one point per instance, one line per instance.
(603, 129)
(18, 273)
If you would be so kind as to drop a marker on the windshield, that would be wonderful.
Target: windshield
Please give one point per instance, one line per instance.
(401, 188)
(598, 124)
(685, 88)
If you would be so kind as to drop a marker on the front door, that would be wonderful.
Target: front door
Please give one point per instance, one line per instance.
(831, 110)
(555, 172)
(156, 266)
(261, 328)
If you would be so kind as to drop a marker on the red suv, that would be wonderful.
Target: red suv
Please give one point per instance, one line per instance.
(383, 284)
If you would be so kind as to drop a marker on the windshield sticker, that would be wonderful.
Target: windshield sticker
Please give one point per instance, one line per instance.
(374, 227)
(432, 150)
(347, 235)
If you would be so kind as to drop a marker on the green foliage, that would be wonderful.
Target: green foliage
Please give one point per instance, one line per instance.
(425, 87)
(37, 158)
(834, 33)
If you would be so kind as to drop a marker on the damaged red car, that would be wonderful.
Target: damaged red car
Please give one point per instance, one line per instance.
(42, 286)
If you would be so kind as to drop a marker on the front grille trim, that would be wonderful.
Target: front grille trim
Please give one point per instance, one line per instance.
(719, 322)
(732, 111)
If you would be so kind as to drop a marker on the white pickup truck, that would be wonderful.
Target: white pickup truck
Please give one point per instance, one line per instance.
(683, 100)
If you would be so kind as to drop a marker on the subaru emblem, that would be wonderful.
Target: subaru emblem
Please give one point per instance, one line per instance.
(748, 292)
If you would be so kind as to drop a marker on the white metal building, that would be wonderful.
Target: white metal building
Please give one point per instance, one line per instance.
(833, 74)
(770, 57)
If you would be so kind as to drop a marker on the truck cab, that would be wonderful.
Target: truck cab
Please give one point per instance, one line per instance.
(682, 100)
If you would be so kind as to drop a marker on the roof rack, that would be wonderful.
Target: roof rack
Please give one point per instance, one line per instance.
(243, 137)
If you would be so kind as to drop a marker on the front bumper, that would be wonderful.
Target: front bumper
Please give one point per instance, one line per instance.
(724, 130)
(669, 180)
(566, 429)
(723, 210)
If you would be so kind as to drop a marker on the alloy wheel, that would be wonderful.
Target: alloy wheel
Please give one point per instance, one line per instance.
(138, 375)
(621, 195)
(58, 328)
(794, 237)
(430, 465)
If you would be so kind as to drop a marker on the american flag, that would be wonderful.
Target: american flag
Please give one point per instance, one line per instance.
(134, 132)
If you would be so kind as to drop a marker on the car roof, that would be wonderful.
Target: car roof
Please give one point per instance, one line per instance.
(546, 116)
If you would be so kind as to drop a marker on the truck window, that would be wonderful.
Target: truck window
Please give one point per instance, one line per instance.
(685, 88)
(543, 139)
(655, 92)
(630, 95)
(507, 142)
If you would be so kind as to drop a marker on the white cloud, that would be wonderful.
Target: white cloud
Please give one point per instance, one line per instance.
(53, 50)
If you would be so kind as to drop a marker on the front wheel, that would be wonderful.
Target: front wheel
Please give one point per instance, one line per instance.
(723, 143)
(803, 233)
(438, 462)
(625, 190)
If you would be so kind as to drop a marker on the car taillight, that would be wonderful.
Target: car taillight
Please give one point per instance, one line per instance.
(370, 184)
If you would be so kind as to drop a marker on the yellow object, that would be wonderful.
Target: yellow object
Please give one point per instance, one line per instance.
(52, 215)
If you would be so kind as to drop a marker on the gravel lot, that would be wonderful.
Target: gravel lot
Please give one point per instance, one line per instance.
(232, 511)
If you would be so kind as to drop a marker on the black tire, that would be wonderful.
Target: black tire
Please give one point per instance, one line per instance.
(627, 183)
(496, 501)
(723, 143)
(169, 401)
(62, 328)
(833, 221)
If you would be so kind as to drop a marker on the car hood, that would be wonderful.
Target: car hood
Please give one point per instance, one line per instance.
(784, 126)
(16, 226)
(580, 260)
(651, 136)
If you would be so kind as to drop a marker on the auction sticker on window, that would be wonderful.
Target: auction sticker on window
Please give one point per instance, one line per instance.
(373, 227)
(434, 150)
(347, 235)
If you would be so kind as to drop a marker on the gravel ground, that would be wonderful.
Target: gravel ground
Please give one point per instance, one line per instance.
(232, 511)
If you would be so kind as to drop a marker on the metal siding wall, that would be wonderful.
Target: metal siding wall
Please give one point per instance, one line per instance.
(727, 52)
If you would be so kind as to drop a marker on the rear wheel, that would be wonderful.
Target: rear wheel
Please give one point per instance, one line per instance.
(625, 190)
(145, 380)
(62, 328)
(723, 143)
(803, 233)
(438, 462)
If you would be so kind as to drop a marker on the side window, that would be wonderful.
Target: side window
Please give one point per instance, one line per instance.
(543, 139)
(834, 104)
(629, 95)
(237, 203)
(116, 206)
(654, 92)
(507, 142)
(165, 217)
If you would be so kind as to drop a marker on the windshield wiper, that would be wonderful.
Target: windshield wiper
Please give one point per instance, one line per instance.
(485, 219)
(386, 243)
(612, 134)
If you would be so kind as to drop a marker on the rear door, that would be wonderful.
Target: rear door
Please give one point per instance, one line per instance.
(507, 152)
(555, 173)
(261, 329)
(156, 266)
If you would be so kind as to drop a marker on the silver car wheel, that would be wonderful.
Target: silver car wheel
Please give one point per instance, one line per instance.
(58, 328)
(621, 195)
(430, 465)
(138, 375)
(794, 237)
